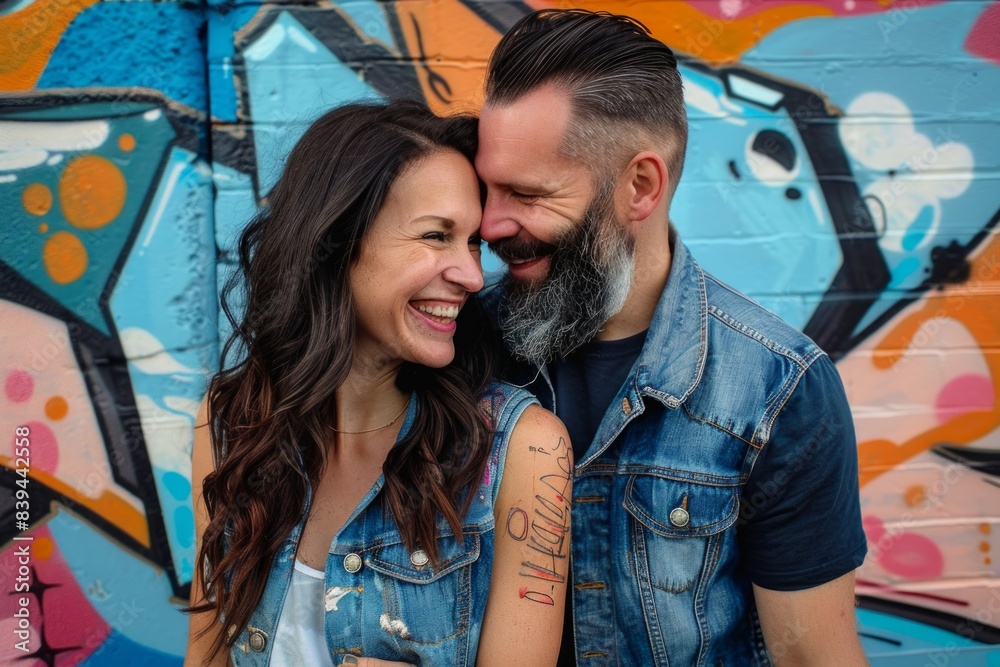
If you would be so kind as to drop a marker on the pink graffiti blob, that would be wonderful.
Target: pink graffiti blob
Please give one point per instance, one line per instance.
(966, 393)
(19, 386)
(43, 447)
(982, 39)
(58, 608)
(906, 555)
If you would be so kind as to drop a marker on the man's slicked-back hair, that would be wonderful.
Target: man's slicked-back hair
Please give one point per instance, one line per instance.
(624, 85)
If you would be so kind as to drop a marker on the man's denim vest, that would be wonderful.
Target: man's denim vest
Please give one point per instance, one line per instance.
(655, 557)
(384, 601)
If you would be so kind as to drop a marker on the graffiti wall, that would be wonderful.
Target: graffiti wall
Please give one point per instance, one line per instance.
(843, 169)
(107, 325)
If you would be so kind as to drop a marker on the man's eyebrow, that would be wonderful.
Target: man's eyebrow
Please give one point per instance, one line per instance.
(525, 188)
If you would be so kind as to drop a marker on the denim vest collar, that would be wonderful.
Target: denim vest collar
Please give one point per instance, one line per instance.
(672, 360)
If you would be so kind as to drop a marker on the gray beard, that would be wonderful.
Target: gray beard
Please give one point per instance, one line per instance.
(590, 275)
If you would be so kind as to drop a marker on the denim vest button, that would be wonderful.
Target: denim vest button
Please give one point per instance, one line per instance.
(419, 558)
(352, 563)
(258, 640)
(679, 517)
(626, 407)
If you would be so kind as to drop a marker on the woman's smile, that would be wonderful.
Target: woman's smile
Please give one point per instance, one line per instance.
(437, 315)
(420, 263)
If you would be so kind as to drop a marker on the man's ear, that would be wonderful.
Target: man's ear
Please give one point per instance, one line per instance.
(646, 184)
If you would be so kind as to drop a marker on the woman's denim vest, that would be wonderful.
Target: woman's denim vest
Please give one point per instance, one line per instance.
(383, 600)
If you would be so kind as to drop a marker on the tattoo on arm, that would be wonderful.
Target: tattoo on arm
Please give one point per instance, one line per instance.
(544, 532)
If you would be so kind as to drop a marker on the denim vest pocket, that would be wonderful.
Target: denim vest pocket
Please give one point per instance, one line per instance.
(704, 509)
(676, 535)
(425, 604)
(678, 518)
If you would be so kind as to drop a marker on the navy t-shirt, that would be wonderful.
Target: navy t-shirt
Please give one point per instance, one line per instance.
(788, 538)
(587, 382)
(585, 385)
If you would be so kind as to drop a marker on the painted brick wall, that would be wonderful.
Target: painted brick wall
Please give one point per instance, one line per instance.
(843, 170)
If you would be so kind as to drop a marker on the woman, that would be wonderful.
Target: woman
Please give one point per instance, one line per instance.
(361, 485)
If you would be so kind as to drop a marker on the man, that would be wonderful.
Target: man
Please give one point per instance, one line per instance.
(716, 517)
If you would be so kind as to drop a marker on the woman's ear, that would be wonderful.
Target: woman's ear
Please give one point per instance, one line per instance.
(645, 182)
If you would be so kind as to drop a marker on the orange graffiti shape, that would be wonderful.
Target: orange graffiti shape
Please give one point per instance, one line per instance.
(973, 304)
(683, 27)
(451, 46)
(111, 507)
(56, 408)
(30, 35)
(126, 142)
(64, 257)
(36, 199)
(42, 548)
(92, 191)
(915, 495)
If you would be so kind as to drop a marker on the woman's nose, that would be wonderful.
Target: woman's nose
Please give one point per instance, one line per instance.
(467, 270)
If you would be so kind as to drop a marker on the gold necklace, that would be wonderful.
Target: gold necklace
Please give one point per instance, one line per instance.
(377, 428)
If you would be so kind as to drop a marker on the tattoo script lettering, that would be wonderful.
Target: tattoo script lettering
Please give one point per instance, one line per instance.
(544, 531)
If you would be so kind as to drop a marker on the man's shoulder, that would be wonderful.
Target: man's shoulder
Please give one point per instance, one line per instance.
(736, 318)
(753, 362)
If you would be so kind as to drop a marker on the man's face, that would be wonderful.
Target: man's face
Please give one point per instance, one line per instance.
(534, 193)
(570, 259)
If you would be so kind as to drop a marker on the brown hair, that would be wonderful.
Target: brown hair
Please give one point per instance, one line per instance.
(623, 83)
(269, 412)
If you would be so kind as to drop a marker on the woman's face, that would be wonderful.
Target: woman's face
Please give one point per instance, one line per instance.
(419, 263)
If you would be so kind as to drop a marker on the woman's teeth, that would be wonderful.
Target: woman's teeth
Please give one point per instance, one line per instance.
(450, 312)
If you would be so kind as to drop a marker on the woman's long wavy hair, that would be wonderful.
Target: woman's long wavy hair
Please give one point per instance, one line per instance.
(295, 342)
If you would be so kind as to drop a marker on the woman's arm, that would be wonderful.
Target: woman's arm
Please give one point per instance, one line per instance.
(524, 613)
(201, 465)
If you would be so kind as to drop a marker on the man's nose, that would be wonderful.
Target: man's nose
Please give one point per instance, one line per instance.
(497, 223)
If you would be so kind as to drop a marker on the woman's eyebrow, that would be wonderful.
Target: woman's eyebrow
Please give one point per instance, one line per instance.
(447, 222)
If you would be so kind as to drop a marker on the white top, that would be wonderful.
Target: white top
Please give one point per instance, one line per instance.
(301, 637)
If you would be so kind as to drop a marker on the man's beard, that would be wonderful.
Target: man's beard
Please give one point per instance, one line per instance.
(590, 274)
